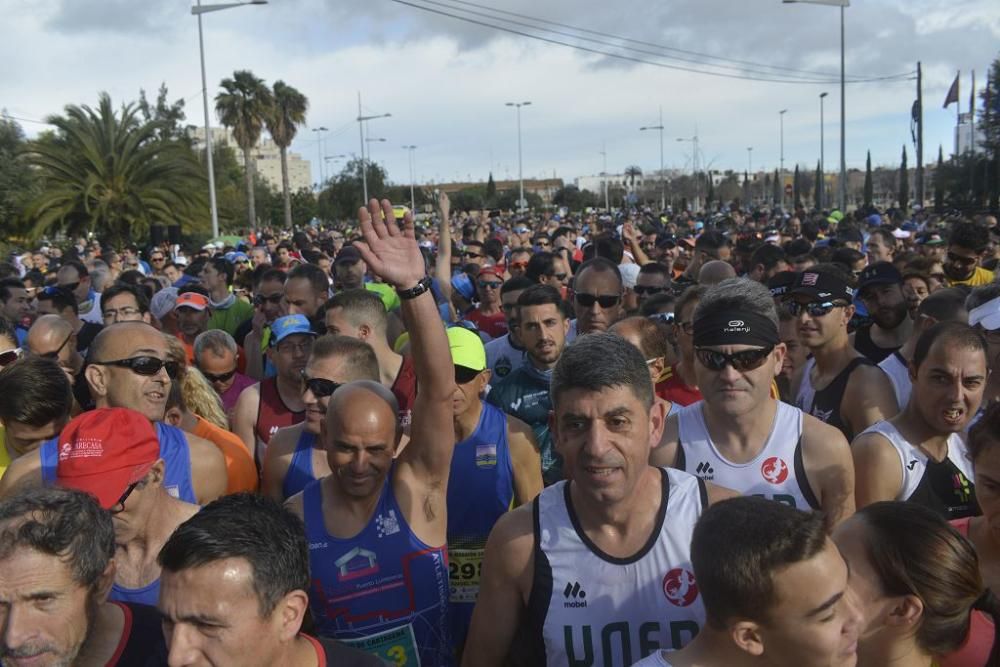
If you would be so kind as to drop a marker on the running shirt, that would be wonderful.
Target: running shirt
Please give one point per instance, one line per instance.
(589, 608)
(330, 653)
(979, 277)
(653, 660)
(480, 491)
(300, 468)
(776, 472)
(502, 357)
(148, 594)
(383, 590)
(272, 413)
(173, 450)
(824, 404)
(495, 325)
(404, 388)
(943, 486)
(670, 387)
(864, 344)
(525, 394)
(896, 368)
(975, 650)
(5, 457)
(141, 643)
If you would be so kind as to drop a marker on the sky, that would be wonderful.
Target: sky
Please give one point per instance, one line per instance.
(446, 82)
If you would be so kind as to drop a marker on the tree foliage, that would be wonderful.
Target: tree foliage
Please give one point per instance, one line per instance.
(287, 112)
(869, 188)
(243, 105)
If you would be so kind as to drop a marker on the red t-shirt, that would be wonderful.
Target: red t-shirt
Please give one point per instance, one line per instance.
(671, 388)
(494, 325)
(975, 650)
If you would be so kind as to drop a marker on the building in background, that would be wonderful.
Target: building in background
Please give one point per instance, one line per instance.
(267, 158)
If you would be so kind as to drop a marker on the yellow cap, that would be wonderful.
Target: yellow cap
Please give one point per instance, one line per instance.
(466, 349)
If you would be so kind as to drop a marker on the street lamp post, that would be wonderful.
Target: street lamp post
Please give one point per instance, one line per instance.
(198, 10)
(822, 154)
(319, 153)
(520, 163)
(781, 118)
(663, 179)
(749, 172)
(604, 177)
(842, 181)
(331, 158)
(694, 163)
(413, 200)
(361, 130)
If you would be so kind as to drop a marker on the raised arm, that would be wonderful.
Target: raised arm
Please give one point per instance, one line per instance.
(442, 266)
(395, 257)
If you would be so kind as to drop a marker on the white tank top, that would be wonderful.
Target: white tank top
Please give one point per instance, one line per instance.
(776, 472)
(589, 608)
(899, 375)
(944, 486)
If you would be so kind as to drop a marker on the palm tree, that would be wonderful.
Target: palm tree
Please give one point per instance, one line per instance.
(631, 173)
(111, 174)
(242, 107)
(288, 111)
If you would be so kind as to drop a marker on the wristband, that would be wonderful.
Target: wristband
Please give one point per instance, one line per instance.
(422, 286)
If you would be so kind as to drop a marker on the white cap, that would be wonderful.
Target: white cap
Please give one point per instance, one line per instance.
(901, 234)
(630, 274)
(986, 315)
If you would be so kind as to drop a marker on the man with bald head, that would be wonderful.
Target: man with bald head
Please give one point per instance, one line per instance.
(127, 368)
(714, 272)
(377, 525)
(53, 337)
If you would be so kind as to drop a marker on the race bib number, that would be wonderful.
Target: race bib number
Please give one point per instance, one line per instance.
(397, 646)
(465, 567)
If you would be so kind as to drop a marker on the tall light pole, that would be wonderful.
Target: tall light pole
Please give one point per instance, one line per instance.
(410, 150)
(319, 153)
(694, 161)
(842, 181)
(663, 179)
(822, 154)
(749, 172)
(361, 130)
(781, 118)
(327, 159)
(198, 10)
(520, 163)
(604, 176)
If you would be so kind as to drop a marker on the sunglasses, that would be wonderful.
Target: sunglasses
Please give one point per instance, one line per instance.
(474, 255)
(518, 265)
(964, 261)
(274, 299)
(69, 287)
(648, 289)
(543, 244)
(10, 356)
(320, 387)
(484, 284)
(465, 375)
(56, 290)
(558, 276)
(157, 259)
(119, 506)
(814, 308)
(221, 377)
(746, 360)
(603, 300)
(54, 354)
(144, 365)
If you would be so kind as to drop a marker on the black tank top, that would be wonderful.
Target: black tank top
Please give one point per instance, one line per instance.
(864, 344)
(826, 402)
(142, 642)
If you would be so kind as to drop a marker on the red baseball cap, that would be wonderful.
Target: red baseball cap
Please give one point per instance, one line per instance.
(103, 451)
(492, 270)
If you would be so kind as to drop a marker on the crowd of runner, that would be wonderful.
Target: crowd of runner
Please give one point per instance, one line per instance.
(489, 439)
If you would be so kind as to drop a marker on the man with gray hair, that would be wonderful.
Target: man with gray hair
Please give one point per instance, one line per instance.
(216, 355)
(739, 436)
(603, 558)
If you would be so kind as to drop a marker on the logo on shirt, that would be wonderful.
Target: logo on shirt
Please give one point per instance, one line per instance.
(502, 367)
(387, 524)
(356, 563)
(774, 470)
(705, 470)
(909, 466)
(962, 488)
(822, 415)
(575, 595)
(486, 456)
(679, 587)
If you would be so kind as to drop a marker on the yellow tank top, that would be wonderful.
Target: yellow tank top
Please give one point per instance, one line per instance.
(4, 456)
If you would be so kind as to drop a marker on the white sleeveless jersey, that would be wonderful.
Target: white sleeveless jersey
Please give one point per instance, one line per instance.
(589, 608)
(776, 472)
(895, 367)
(943, 486)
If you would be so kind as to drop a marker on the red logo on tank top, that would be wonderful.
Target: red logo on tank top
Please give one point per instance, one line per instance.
(774, 470)
(679, 587)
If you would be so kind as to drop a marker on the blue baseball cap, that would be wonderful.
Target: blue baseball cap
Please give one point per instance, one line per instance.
(289, 325)
(463, 284)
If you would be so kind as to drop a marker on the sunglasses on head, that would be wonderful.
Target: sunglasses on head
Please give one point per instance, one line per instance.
(144, 365)
(221, 377)
(10, 356)
(603, 300)
(746, 360)
(814, 308)
(648, 289)
(320, 387)
(260, 299)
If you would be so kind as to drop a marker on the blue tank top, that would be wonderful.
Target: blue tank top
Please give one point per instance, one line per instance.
(300, 470)
(383, 590)
(480, 491)
(148, 594)
(173, 450)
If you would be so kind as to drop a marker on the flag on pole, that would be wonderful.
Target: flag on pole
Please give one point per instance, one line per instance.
(952, 93)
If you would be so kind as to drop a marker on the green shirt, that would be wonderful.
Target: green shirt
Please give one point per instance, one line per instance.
(229, 319)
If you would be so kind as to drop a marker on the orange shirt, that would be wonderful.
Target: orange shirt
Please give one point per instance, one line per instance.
(240, 467)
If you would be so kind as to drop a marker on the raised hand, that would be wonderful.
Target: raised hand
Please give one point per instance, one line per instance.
(445, 205)
(391, 254)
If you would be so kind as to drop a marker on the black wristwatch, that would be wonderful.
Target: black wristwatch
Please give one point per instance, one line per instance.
(422, 286)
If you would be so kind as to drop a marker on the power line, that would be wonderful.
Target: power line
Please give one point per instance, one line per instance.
(761, 77)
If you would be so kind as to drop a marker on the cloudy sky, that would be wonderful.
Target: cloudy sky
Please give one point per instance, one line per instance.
(446, 81)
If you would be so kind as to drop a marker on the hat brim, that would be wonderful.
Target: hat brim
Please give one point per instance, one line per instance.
(107, 486)
(192, 306)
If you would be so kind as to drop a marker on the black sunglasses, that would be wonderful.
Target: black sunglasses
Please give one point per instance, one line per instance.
(746, 360)
(320, 387)
(69, 287)
(603, 300)
(144, 365)
(260, 299)
(119, 506)
(558, 276)
(222, 377)
(464, 375)
(814, 308)
(54, 354)
(467, 253)
(157, 259)
(10, 356)
(487, 283)
(958, 259)
(648, 289)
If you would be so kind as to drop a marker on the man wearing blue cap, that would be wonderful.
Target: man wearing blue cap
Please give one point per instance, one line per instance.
(276, 401)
